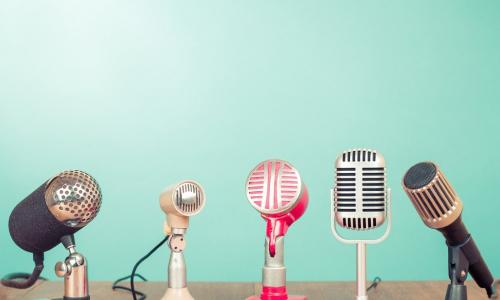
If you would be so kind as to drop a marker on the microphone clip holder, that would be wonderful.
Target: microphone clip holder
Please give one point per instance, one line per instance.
(361, 247)
(458, 268)
(74, 271)
(177, 278)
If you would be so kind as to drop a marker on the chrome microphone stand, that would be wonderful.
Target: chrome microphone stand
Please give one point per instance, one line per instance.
(361, 249)
(177, 278)
(274, 270)
(74, 271)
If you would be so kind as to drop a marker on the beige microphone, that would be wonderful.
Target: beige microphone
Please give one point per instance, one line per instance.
(179, 202)
(439, 207)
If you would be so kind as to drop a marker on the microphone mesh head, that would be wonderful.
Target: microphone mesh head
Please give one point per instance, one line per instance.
(360, 190)
(73, 197)
(432, 195)
(189, 198)
(273, 187)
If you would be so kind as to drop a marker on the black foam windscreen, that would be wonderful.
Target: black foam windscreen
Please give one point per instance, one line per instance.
(420, 175)
(33, 227)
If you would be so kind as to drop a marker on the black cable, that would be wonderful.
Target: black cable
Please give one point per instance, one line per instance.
(24, 281)
(142, 296)
(127, 277)
(115, 286)
(17, 276)
(374, 283)
(132, 287)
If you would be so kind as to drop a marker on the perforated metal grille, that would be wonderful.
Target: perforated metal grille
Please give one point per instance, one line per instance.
(73, 197)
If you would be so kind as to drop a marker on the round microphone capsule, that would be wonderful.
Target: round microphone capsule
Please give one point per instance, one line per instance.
(181, 201)
(73, 198)
(186, 198)
(274, 187)
(59, 207)
(432, 195)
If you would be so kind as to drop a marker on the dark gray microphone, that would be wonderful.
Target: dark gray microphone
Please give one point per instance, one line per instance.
(51, 215)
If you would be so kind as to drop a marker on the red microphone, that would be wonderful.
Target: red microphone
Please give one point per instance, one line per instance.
(275, 189)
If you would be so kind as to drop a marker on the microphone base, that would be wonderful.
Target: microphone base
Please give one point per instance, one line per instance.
(177, 294)
(456, 292)
(292, 297)
(76, 298)
(275, 293)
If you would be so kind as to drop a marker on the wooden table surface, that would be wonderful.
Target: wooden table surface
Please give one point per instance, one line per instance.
(422, 290)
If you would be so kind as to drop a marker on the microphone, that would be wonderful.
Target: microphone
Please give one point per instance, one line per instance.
(179, 202)
(440, 208)
(50, 215)
(275, 189)
(361, 201)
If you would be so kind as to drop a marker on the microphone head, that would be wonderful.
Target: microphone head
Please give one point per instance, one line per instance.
(61, 206)
(360, 192)
(73, 198)
(432, 195)
(274, 187)
(182, 200)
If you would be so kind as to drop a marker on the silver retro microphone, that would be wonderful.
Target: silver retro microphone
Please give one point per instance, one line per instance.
(74, 198)
(360, 201)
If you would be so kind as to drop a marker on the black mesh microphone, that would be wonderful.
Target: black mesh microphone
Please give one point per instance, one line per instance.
(440, 208)
(58, 208)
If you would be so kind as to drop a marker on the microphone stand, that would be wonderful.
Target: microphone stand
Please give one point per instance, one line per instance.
(177, 282)
(74, 271)
(274, 274)
(361, 249)
(458, 268)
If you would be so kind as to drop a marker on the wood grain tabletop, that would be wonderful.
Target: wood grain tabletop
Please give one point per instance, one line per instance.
(414, 290)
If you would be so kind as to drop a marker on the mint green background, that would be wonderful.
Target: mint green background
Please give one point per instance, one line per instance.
(141, 94)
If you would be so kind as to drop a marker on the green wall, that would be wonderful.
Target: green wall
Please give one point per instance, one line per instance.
(141, 94)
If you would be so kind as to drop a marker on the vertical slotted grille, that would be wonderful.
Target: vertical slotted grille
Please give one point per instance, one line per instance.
(273, 186)
(360, 190)
(359, 155)
(435, 202)
(189, 198)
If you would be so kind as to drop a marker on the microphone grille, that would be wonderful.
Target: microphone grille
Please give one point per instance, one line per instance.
(73, 197)
(432, 195)
(273, 187)
(360, 190)
(189, 198)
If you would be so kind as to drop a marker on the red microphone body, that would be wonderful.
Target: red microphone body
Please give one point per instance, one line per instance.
(276, 190)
